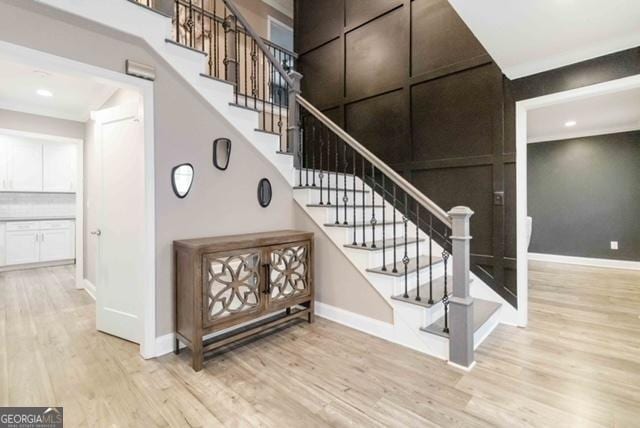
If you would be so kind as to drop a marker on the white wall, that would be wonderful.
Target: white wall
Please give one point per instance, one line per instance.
(41, 124)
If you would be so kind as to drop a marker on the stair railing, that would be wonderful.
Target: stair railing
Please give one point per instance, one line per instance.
(332, 162)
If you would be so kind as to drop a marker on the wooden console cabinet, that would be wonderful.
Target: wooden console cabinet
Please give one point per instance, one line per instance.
(242, 284)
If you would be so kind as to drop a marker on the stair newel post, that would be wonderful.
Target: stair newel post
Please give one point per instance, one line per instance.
(231, 50)
(461, 311)
(293, 119)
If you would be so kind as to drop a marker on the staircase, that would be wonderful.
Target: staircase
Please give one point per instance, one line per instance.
(414, 254)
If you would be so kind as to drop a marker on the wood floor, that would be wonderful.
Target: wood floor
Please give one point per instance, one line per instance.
(577, 364)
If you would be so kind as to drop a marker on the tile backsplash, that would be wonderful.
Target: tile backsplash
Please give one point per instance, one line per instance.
(37, 204)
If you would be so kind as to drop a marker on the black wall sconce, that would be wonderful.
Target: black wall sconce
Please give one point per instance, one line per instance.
(182, 179)
(264, 193)
(221, 153)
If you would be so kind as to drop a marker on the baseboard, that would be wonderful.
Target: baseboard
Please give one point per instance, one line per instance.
(11, 268)
(585, 261)
(89, 288)
(358, 322)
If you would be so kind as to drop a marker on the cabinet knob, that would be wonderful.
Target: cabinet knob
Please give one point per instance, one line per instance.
(96, 232)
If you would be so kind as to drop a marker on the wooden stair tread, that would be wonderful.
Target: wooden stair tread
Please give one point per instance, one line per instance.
(342, 206)
(411, 267)
(379, 244)
(333, 189)
(438, 292)
(359, 225)
(482, 311)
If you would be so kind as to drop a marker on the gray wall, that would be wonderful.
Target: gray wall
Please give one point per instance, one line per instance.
(220, 203)
(584, 193)
(26, 122)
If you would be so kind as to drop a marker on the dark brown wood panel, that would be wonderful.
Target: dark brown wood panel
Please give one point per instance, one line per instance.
(324, 66)
(453, 116)
(317, 22)
(388, 138)
(358, 12)
(441, 39)
(374, 61)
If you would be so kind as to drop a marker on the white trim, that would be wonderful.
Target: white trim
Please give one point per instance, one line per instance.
(463, 368)
(584, 133)
(358, 322)
(585, 261)
(521, 168)
(89, 288)
(279, 7)
(270, 20)
(55, 63)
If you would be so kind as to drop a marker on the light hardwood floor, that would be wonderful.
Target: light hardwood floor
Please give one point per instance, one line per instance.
(577, 364)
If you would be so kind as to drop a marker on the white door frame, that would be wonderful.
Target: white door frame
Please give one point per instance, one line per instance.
(39, 59)
(521, 168)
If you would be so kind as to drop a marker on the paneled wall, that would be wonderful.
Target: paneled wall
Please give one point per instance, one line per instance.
(411, 82)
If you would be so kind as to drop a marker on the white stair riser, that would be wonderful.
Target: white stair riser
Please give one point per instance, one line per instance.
(191, 63)
(369, 233)
(313, 197)
(216, 90)
(395, 283)
(332, 179)
(371, 259)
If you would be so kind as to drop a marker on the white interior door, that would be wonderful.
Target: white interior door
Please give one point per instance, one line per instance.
(120, 234)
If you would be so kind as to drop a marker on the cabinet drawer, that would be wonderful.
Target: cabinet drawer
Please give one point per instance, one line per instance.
(55, 224)
(22, 225)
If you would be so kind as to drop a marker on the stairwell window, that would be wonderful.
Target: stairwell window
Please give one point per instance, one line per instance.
(281, 35)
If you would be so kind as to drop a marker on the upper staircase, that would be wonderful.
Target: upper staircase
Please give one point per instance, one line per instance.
(411, 251)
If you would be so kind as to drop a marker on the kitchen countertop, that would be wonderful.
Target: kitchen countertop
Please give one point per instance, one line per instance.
(43, 218)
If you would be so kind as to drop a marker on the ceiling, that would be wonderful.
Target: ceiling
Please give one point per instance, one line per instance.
(597, 115)
(528, 37)
(73, 97)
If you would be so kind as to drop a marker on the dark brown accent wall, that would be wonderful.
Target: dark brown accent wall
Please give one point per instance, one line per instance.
(410, 81)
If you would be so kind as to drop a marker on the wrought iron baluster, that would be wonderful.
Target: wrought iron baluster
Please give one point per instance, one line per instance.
(445, 297)
(405, 258)
(353, 188)
(313, 155)
(280, 112)
(384, 225)
(321, 175)
(395, 263)
(254, 72)
(364, 175)
(244, 56)
(211, 46)
(345, 198)
(225, 61)
(216, 33)
(418, 252)
(328, 167)
(202, 27)
(337, 181)
(373, 206)
(430, 259)
(177, 21)
(237, 58)
(306, 155)
(273, 99)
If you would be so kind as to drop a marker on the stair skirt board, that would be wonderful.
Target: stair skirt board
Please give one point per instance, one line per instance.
(408, 318)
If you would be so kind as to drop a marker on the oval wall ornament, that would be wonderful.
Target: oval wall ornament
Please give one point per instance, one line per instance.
(182, 179)
(265, 192)
(221, 153)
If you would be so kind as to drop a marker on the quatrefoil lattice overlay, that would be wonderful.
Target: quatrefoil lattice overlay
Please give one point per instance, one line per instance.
(233, 285)
(289, 268)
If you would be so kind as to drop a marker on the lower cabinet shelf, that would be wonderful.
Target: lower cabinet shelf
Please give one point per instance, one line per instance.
(233, 287)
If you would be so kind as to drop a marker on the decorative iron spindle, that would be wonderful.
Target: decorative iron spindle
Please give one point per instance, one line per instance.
(328, 167)
(384, 224)
(345, 198)
(364, 237)
(373, 207)
(445, 297)
(430, 259)
(336, 179)
(418, 252)
(313, 154)
(321, 175)
(405, 258)
(395, 263)
(355, 242)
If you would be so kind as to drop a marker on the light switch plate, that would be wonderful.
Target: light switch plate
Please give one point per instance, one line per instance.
(614, 245)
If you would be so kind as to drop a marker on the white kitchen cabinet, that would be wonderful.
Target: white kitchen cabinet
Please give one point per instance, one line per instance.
(39, 241)
(59, 167)
(22, 247)
(24, 166)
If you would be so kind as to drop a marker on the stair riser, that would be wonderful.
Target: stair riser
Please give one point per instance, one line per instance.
(313, 197)
(396, 284)
(370, 259)
(345, 235)
(332, 179)
(368, 212)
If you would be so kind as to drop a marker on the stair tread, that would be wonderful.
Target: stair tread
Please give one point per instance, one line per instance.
(342, 206)
(438, 292)
(333, 189)
(379, 244)
(411, 267)
(264, 131)
(217, 79)
(237, 105)
(358, 225)
(173, 42)
(482, 311)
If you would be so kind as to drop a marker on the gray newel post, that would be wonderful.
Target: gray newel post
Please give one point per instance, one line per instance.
(293, 120)
(461, 304)
(230, 26)
(165, 6)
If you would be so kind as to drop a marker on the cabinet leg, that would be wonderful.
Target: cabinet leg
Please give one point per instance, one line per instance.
(197, 361)
(311, 317)
(288, 311)
(176, 348)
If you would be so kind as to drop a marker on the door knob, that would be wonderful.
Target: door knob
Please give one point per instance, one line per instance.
(96, 232)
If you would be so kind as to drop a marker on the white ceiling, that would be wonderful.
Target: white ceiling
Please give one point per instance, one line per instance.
(598, 115)
(73, 97)
(525, 37)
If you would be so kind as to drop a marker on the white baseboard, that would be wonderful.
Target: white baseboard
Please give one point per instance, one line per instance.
(89, 288)
(585, 261)
(359, 322)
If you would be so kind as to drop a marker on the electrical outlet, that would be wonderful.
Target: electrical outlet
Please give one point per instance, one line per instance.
(614, 245)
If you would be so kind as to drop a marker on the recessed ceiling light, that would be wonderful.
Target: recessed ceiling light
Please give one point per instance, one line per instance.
(44, 93)
(570, 123)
